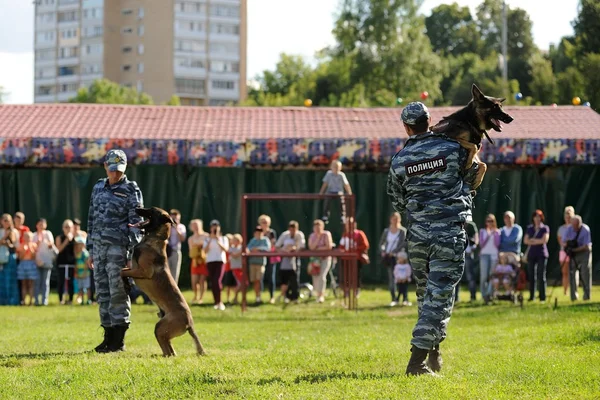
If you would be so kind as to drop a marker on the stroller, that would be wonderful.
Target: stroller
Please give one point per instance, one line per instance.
(518, 282)
(306, 289)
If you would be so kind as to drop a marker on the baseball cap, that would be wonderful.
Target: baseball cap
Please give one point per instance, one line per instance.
(215, 222)
(415, 113)
(258, 229)
(80, 239)
(116, 160)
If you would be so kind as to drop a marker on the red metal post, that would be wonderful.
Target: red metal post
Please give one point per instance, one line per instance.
(244, 244)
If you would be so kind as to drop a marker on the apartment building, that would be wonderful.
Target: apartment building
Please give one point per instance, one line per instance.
(195, 49)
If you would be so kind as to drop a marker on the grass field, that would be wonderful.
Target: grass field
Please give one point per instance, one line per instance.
(307, 351)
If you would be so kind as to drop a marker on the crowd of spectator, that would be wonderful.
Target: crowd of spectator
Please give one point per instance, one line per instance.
(493, 259)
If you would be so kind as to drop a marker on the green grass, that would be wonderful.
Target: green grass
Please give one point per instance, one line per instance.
(307, 351)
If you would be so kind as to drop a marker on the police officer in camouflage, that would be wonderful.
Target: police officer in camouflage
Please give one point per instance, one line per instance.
(428, 182)
(110, 243)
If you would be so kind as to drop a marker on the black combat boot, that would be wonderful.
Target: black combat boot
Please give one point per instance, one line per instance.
(108, 333)
(416, 365)
(434, 361)
(118, 339)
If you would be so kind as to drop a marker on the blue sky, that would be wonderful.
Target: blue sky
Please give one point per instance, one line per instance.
(274, 26)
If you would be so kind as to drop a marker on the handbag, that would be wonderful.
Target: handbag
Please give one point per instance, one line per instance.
(364, 258)
(314, 266)
(4, 255)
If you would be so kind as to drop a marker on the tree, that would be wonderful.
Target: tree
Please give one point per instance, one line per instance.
(564, 55)
(590, 66)
(587, 26)
(543, 85)
(174, 101)
(103, 91)
(521, 46)
(466, 69)
(452, 30)
(389, 50)
(571, 83)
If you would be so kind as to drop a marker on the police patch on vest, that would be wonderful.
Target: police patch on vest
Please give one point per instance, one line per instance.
(427, 166)
(120, 194)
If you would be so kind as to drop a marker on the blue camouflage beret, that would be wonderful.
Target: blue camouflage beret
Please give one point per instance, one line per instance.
(415, 113)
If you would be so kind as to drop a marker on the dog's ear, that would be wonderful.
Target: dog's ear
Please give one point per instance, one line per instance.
(477, 94)
(502, 100)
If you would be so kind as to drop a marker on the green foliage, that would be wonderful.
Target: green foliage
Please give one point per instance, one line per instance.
(385, 50)
(452, 30)
(174, 101)
(306, 351)
(587, 26)
(103, 91)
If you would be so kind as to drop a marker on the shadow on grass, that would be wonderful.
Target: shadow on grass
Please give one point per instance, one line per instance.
(42, 355)
(334, 375)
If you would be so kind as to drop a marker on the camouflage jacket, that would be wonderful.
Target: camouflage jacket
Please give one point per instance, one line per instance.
(427, 180)
(112, 208)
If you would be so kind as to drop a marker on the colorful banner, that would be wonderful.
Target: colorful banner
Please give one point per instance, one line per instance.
(262, 152)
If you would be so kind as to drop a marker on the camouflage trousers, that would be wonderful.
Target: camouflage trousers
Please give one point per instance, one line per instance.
(115, 306)
(436, 252)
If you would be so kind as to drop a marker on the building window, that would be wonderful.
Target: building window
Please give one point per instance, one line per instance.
(194, 46)
(126, 67)
(224, 66)
(126, 12)
(66, 71)
(43, 55)
(189, 26)
(224, 48)
(93, 31)
(67, 87)
(68, 16)
(225, 11)
(127, 49)
(225, 29)
(227, 85)
(140, 68)
(47, 36)
(46, 18)
(44, 90)
(217, 102)
(140, 86)
(190, 7)
(192, 86)
(68, 33)
(68, 52)
(141, 30)
(190, 63)
(127, 31)
(141, 12)
(94, 48)
(91, 69)
(48, 72)
(92, 13)
(140, 49)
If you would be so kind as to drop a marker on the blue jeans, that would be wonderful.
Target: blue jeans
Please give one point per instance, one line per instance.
(487, 262)
(392, 283)
(42, 286)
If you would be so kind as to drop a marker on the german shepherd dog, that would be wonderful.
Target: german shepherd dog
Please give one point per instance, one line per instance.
(151, 273)
(470, 124)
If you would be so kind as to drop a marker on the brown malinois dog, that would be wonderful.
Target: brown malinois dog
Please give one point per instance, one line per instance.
(151, 273)
(470, 124)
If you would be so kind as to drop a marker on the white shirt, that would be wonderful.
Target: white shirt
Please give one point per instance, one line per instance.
(507, 230)
(489, 248)
(402, 272)
(44, 254)
(391, 241)
(214, 253)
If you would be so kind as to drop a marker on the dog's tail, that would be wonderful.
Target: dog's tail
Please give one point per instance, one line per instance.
(197, 343)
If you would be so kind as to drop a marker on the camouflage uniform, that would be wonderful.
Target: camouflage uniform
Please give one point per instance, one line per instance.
(428, 183)
(110, 241)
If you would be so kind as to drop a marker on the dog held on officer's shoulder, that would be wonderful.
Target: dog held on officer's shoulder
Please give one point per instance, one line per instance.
(471, 123)
(151, 274)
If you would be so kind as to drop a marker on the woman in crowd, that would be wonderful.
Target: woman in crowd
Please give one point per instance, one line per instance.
(216, 246)
(271, 268)
(392, 242)
(563, 258)
(46, 255)
(66, 261)
(290, 241)
(320, 239)
(199, 270)
(537, 254)
(27, 271)
(9, 241)
(489, 242)
(356, 240)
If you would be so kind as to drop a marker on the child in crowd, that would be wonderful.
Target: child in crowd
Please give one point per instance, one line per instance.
(402, 276)
(27, 271)
(228, 279)
(259, 243)
(504, 272)
(82, 272)
(334, 182)
(235, 261)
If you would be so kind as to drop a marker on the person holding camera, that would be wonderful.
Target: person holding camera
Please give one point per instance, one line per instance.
(577, 242)
(216, 246)
(393, 240)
